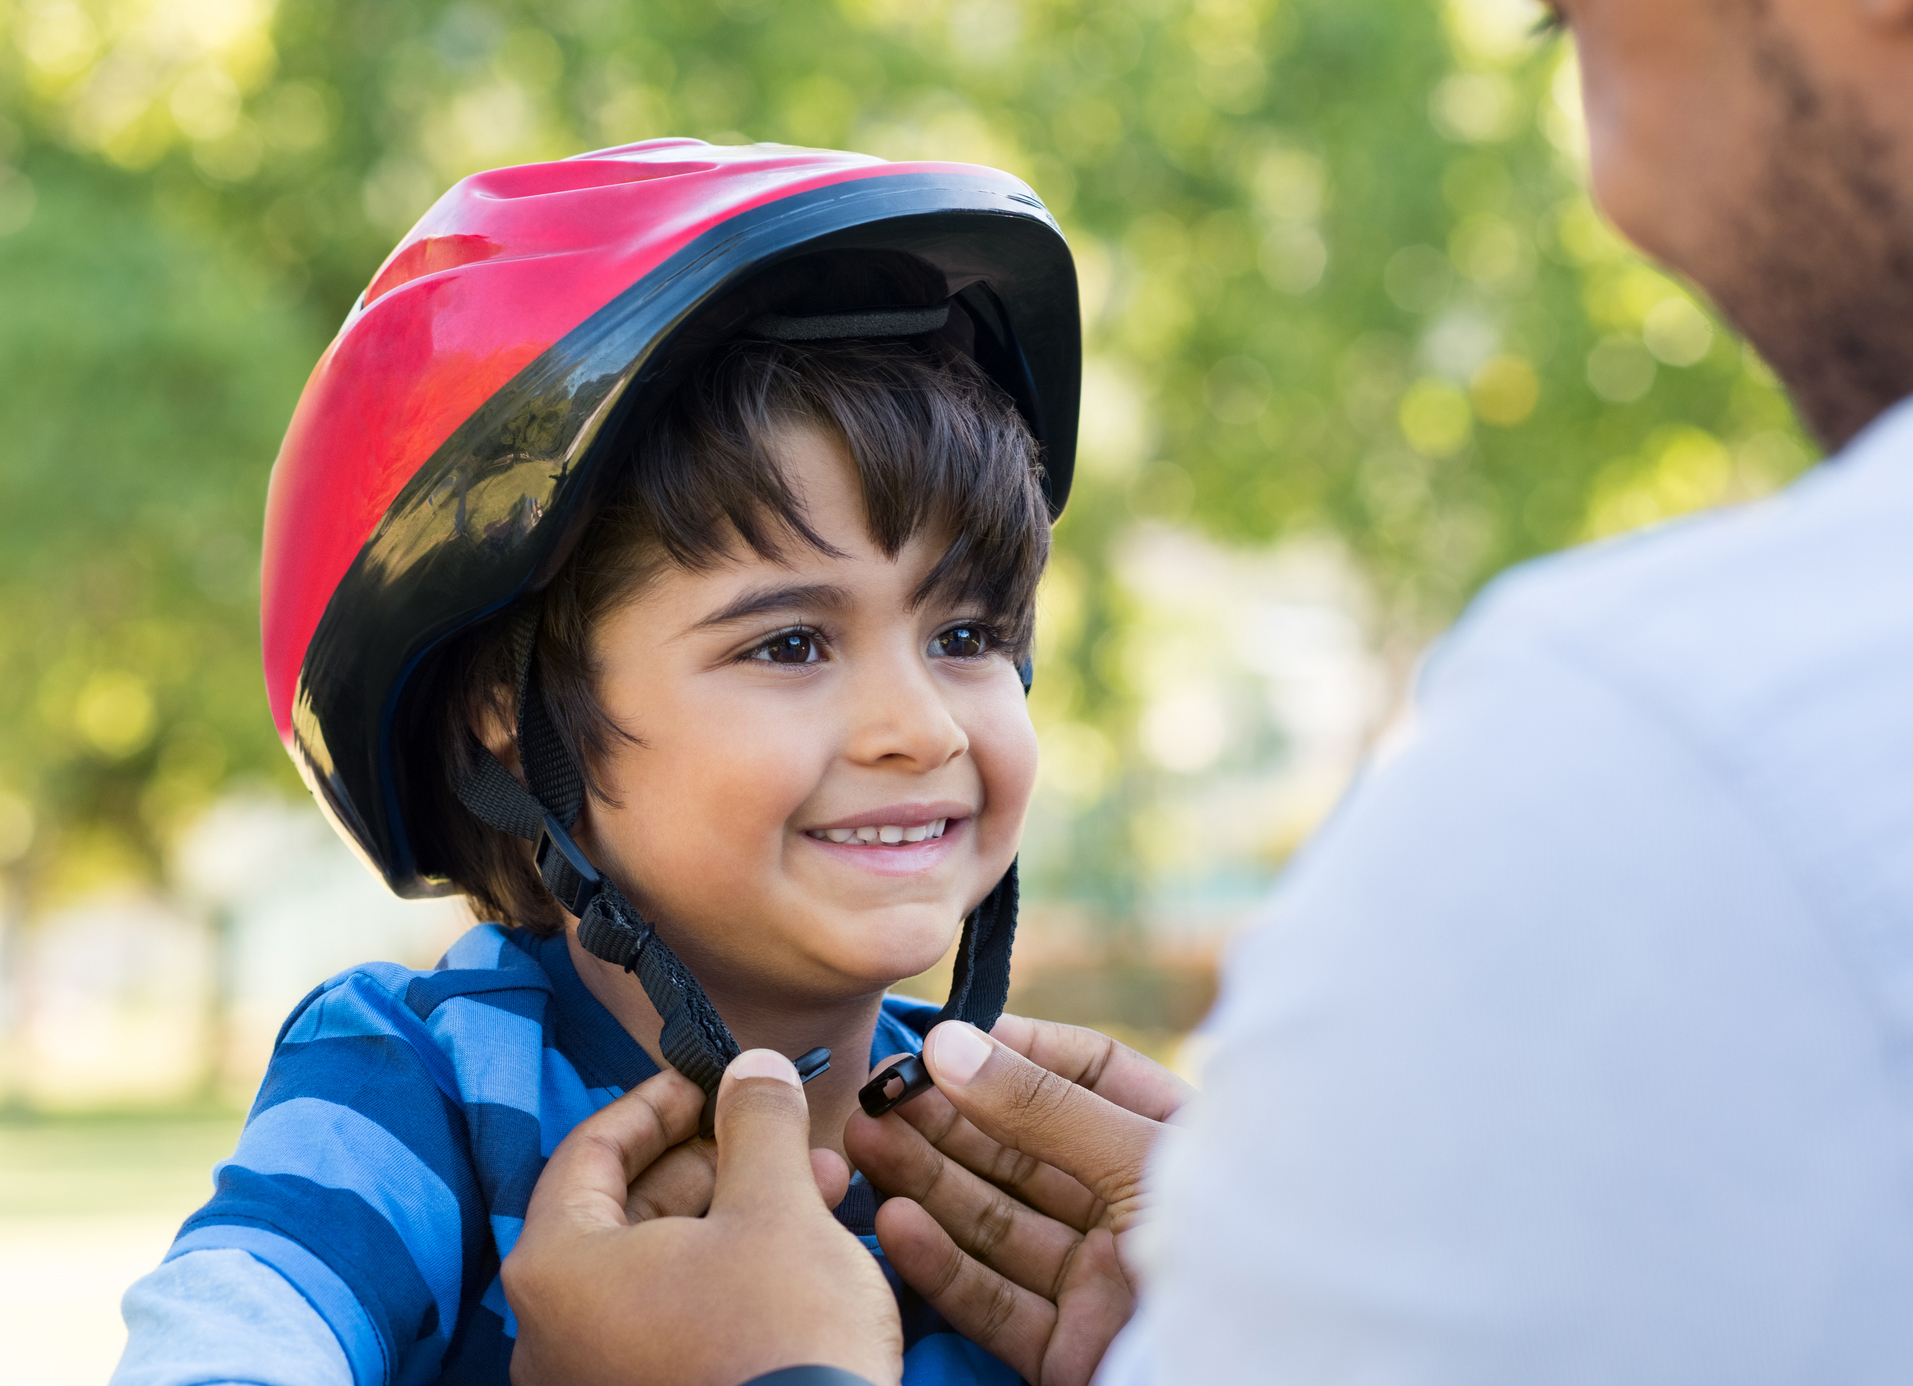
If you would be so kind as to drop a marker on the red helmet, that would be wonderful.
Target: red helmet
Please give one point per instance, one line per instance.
(449, 448)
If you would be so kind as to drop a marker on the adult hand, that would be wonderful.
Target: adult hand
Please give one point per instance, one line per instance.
(614, 1280)
(1015, 1184)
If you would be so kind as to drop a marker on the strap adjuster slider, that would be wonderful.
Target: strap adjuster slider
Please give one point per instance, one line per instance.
(563, 868)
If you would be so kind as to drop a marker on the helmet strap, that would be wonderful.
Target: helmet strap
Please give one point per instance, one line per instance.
(980, 985)
(695, 1040)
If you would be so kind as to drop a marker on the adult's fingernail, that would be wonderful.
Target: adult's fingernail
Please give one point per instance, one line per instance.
(960, 1050)
(764, 1063)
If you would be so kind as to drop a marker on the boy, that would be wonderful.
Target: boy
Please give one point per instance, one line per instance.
(678, 510)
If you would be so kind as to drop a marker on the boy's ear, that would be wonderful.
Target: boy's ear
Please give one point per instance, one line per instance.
(496, 730)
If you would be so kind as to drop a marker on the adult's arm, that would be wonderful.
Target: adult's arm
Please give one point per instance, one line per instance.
(1542, 1068)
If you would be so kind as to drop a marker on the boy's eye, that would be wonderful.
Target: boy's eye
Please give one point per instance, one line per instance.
(789, 647)
(962, 642)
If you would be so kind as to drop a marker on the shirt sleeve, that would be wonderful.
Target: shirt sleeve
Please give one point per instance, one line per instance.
(353, 1182)
(216, 1317)
(1541, 1068)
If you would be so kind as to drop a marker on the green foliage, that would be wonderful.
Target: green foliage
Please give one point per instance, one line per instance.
(1340, 273)
(147, 376)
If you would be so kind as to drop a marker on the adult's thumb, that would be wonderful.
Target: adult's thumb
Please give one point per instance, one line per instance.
(763, 1135)
(590, 1173)
(1026, 1107)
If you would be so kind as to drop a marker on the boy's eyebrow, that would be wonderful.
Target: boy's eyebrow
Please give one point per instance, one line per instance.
(812, 596)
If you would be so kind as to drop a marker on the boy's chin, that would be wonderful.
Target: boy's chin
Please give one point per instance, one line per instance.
(889, 946)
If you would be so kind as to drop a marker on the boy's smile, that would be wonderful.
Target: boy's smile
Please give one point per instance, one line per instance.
(829, 769)
(899, 839)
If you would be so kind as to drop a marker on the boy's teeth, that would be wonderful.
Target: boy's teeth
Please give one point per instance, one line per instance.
(884, 832)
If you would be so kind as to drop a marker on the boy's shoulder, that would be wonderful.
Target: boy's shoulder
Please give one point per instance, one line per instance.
(485, 959)
(487, 987)
(503, 1024)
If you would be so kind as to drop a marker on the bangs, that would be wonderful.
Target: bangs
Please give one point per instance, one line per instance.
(937, 447)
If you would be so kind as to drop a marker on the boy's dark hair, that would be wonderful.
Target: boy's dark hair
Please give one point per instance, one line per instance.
(936, 445)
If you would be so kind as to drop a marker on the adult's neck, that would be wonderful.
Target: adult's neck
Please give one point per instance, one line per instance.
(1803, 234)
(844, 1027)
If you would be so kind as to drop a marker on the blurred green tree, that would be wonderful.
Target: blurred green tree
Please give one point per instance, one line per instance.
(146, 376)
(1339, 268)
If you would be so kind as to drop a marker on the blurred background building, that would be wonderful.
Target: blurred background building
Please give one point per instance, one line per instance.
(1357, 342)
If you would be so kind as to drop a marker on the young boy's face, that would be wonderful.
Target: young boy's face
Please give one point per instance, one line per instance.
(780, 705)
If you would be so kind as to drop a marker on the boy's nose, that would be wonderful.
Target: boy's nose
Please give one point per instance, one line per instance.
(901, 713)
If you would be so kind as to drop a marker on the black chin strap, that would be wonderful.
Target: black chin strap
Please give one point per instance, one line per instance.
(980, 987)
(696, 1041)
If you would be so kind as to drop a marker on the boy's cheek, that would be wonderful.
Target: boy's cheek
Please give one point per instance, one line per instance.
(703, 821)
(1003, 743)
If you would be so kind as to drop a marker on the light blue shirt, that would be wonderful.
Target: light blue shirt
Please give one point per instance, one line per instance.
(1579, 1046)
(385, 1171)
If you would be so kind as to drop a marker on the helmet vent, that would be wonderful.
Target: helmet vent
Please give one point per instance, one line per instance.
(430, 256)
(577, 175)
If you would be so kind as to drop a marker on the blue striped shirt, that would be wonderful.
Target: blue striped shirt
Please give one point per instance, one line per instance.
(386, 1164)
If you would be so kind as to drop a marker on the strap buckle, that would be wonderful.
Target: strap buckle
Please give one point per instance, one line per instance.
(895, 1086)
(563, 868)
